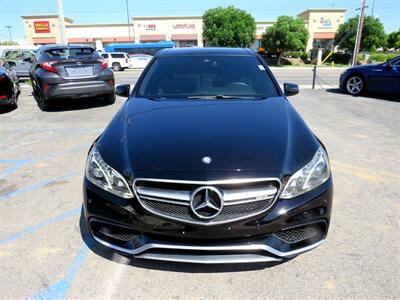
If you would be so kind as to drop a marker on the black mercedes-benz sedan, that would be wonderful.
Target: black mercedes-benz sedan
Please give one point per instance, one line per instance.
(9, 86)
(208, 162)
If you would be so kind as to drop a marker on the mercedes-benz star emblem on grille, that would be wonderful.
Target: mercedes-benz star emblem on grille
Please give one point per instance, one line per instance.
(206, 159)
(206, 202)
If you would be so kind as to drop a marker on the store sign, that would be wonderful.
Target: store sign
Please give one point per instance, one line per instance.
(150, 26)
(325, 23)
(184, 26)
(41, 26)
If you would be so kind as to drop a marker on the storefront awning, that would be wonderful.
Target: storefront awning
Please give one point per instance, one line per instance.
(184, 37)
(47, 40)
(152, 37)
(324, 35)
(116, 39)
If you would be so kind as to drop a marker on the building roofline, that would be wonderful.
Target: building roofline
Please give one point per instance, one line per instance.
(165, 17)
(323, 10)
(265, 21)
(46, 16)
(98, 25)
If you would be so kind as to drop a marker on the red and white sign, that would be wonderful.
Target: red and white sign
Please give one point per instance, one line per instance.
(41, 26)
(150, 26)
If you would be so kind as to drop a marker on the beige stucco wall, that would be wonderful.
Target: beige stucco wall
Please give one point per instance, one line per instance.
(168, 27)
(322, 21)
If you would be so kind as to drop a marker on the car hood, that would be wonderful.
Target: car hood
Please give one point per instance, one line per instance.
(238, 135)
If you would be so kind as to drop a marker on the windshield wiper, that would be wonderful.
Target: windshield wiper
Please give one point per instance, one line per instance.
(224, 97)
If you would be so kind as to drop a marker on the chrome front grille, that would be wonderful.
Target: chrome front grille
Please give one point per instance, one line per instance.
(240, 198)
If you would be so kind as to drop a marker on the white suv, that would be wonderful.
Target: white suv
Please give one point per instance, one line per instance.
(118, 61)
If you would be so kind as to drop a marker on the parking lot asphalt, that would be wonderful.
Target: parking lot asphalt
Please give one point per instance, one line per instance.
(44, 254)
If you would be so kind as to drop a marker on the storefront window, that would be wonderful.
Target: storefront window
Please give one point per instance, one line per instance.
(185, 44)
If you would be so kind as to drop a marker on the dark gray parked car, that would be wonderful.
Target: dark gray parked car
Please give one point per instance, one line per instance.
(70, 71)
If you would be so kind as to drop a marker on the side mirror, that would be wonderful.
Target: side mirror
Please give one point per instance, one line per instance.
(123, 90)
(290, 89)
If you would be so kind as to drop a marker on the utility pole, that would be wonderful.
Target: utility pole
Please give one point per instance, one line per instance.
(61, 20)
(9, 32)
(373, 6)
(359, 33)
(127, 16)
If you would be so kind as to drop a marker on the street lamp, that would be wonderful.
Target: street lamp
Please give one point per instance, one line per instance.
(9, 32)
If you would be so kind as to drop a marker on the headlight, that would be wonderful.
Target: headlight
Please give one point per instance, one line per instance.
(105, 177)
(312, 175)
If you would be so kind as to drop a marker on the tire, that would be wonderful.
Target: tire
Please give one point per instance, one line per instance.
(355, 85)
(109, 98)
(116, 67)
(14, 105)
(43, 104)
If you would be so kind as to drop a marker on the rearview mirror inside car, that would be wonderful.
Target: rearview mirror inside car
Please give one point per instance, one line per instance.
(290, 89)
(123, 90)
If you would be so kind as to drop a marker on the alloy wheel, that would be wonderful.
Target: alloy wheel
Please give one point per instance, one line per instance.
(354, 85)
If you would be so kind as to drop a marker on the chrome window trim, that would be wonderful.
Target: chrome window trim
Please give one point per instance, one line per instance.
(207, 183)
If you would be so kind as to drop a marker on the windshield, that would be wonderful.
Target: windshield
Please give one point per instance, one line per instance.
(70, 53)
(205, 76)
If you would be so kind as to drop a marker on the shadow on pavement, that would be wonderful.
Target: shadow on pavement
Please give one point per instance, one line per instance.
(369, 95)
(73, 104)
(165, 265)
(6, 109)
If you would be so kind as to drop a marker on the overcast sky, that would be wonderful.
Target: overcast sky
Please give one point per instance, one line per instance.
(114, 11)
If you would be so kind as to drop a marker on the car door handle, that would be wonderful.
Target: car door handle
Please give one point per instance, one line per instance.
(377, 70)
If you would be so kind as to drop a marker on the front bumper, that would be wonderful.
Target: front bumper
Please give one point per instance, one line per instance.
(289, 228)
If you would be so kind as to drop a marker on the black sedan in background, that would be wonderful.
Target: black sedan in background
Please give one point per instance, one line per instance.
(70, 71)
(208, 162)
(378, 78)
(9, 86)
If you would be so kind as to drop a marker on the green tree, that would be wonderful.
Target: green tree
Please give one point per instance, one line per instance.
(8, 43)
(373, 34)
(228, 27)
(393, 40)
(287, 34)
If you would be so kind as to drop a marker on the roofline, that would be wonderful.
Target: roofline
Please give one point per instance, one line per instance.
(46, 16)
(99, 25)
(265, 21)
(166, 17)
(322, 9)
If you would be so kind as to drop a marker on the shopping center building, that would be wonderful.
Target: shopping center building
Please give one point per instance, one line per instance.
(185, 31)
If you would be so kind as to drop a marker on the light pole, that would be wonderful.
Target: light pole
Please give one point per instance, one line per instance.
(127, 16)
(9, 32)
(359, 33)
(61, 21)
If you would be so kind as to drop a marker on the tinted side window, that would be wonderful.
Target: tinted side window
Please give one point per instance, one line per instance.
(104, 55)
(117, 55)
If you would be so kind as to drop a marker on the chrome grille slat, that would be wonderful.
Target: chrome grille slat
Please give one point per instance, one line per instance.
(162, 193)
(165, 200)
(172, 198)
(231, 196)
